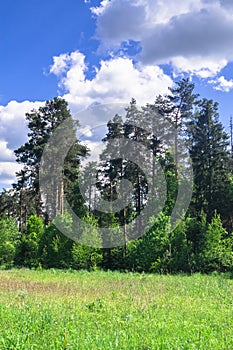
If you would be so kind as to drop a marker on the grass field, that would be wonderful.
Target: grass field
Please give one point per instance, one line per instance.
(109, 310)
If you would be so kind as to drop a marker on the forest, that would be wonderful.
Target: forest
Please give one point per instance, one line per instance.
(202, 241)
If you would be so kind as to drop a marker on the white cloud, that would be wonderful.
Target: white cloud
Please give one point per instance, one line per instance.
(98, 10)
(59, 64)
(5, 152)
(204, 33)
(159, 11)
(195, 36)
(13, 125)
(86, 131)
(13, 133)
(222, 84)
(117, 80)
(7, 172)
(121, 20)
(64, 62)
(95, 149)
(199, 66)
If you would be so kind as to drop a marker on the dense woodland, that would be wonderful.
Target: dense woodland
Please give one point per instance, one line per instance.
(203, 240)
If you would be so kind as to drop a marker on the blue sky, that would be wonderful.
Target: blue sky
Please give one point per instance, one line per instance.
(107, 51)
(31, 33)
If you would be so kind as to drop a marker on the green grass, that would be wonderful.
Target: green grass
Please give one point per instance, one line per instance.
(109, 310)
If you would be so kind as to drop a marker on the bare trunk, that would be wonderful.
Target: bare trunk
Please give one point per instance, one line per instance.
(176, 148)
(125, 233)
(62, 198)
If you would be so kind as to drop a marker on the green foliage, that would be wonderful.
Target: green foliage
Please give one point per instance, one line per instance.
(84, 257)
(9, 241)
(180, 249)
(195, 233)
(55, 247)
(153, 251)
(217, 247)
(201, 242)
(29, 249)
(210, 161)
(86, 254)
(88, 232)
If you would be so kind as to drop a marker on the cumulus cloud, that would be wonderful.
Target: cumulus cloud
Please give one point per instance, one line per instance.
(86, 131)
(13, 125)
(98, 10)
(65, 61)
(120, 20)
(59, 64)
(13, 133)
(115, 24)
(199, 66)
(192, 35)
(205, 33)
(5, 153)
(222, 84)
(95, 149)
(117, 79)
(7, 172)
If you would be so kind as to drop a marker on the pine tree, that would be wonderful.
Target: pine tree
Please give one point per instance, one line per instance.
(136, 129)
(42, 123)
(210, 161)
(183, 100)
(111, 172)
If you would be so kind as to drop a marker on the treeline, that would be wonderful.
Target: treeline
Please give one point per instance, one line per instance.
(203, 239)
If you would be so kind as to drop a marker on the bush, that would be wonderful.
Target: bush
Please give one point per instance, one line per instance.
(9, 241)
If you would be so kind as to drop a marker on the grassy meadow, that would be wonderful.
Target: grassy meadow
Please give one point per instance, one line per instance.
(110, 310)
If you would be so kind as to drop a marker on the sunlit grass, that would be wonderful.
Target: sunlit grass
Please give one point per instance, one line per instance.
(109, 310)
